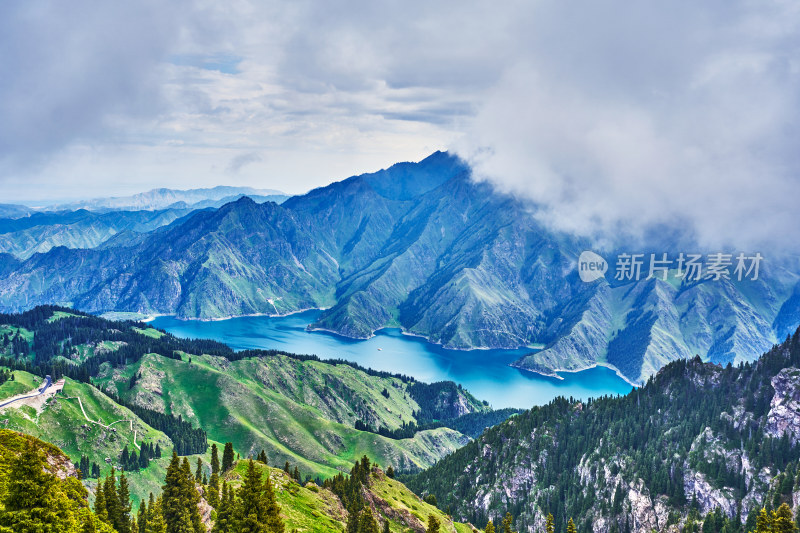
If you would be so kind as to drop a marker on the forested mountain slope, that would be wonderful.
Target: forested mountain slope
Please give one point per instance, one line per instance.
(697, 436)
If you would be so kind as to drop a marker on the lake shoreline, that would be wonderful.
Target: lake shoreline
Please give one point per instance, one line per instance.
(486, 373)
(556, 373)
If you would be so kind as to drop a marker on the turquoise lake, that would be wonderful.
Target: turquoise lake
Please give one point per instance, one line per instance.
(485, 373)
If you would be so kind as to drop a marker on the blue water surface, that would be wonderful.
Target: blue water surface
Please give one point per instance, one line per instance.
(485, 373)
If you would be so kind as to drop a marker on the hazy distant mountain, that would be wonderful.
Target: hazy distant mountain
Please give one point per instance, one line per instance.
(14, 211)
(424, 247)
(164, 198)
(40, 232)
(107, 222)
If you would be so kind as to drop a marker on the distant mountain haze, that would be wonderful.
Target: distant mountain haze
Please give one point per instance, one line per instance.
(163, 198)
(110, 221)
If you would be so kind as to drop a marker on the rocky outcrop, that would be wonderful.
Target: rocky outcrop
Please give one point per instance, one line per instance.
(784, 409)
(696, 486)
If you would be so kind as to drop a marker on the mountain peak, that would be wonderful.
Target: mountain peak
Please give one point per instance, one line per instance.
(404, 181)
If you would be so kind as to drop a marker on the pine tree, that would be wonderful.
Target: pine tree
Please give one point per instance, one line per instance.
(198, 474)
(141, 516)
(763, 522)
(155, 517)
(274, 521)
(179, 505)
(571, 527)
(33, 501)
(256, 509)
(124, 502)
(508, 521)
(223, 523)
(191, 496)
(390, 472)
(367, 522)
(352, 521)
(100, 505)
(386, 525)
(212, 491)
(782, 520)
(433, 525)
(214, 459)
(489, 527)
(227, 457)
(112, 499)
(550, 524)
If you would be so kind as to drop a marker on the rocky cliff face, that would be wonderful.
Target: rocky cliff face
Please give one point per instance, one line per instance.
(784, 412)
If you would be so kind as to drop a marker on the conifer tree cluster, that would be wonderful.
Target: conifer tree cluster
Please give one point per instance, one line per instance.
(251, 509)
(36, 500)
(130, 461)
(6, 375)
(624, 433)
(350, 490)
(14, 344)
(176, 509)
(89, 470)
(508, 523)
(112, 503)
(294, 473)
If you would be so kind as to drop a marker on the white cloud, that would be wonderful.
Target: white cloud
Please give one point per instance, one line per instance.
(677, 114)
(612, 116)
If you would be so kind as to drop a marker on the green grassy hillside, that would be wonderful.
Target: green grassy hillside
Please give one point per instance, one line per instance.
(132, 379)
(313, 508)
(63, 424)
(298, 411)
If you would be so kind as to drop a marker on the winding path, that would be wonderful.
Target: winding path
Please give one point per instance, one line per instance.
(107, 426)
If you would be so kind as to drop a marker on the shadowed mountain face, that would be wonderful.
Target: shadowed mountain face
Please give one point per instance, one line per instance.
(424, 247)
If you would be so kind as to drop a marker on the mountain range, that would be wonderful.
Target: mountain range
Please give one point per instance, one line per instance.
(110, 222)
(164, 198)
(421, 246)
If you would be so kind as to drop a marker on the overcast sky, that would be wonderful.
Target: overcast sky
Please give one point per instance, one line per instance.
(608, 114)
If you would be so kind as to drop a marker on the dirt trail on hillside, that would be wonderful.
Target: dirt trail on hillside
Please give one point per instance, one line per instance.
(101, 424)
